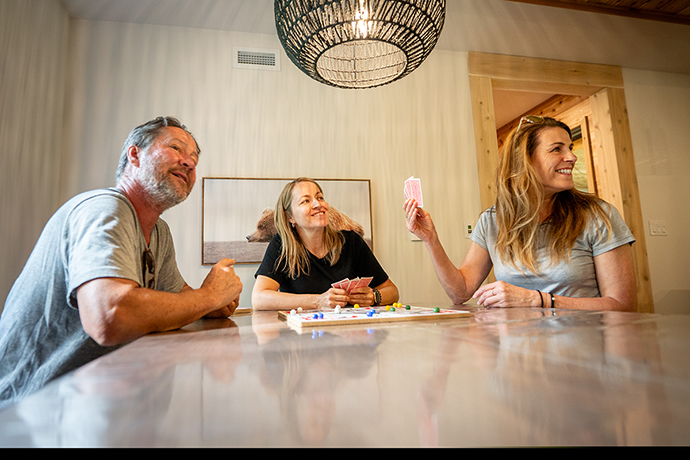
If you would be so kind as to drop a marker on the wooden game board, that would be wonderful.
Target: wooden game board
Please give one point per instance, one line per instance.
(351, 315)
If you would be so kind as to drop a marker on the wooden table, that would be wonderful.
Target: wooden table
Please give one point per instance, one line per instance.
(504, 377)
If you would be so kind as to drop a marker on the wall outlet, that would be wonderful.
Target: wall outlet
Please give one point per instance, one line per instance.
(657, 228)
(467, 229)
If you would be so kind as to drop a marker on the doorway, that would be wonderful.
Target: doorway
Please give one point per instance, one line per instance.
(589, 97)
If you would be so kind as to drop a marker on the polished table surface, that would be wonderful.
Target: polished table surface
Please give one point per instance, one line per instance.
(502, 377)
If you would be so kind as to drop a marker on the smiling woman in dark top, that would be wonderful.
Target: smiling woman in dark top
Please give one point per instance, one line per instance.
(308, 255)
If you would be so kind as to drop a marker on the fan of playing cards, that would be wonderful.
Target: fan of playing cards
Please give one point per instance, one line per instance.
(413, 189)
(348, 284)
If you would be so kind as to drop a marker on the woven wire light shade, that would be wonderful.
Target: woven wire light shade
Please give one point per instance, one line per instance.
(358, 43)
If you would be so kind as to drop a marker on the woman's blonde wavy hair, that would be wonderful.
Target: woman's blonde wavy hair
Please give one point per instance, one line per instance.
(293, 255)
(519, 198)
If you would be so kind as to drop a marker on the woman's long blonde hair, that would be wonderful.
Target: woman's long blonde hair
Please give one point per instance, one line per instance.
(519, 198)
(293, 255)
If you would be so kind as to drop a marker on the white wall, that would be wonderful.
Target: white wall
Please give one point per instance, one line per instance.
(659, 113)
(33, 61)
(278, 124)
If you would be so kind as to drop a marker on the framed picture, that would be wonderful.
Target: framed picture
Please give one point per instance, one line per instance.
(237, 214)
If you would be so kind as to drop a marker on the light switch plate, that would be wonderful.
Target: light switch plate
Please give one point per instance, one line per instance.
(657, 228)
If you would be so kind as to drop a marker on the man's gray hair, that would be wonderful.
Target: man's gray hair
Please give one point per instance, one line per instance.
(144, 135)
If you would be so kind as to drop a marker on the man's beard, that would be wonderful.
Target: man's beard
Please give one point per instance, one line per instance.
(159, 186)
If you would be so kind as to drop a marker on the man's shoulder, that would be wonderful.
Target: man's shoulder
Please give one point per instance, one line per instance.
(106, 193)
(100, 205)
(109, 198)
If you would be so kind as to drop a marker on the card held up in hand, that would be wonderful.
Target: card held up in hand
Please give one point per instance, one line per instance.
(413, 189)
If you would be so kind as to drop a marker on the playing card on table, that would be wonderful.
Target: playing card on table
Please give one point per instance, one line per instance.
(413, 189)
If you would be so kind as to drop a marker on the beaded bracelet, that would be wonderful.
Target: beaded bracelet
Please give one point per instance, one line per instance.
(553, 300)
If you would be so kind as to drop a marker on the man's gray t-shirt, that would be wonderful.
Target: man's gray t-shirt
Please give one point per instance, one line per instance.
(574, 277)
(94, 235)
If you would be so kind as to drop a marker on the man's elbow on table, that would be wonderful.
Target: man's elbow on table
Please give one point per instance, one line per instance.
(104, 314)
(105, 331)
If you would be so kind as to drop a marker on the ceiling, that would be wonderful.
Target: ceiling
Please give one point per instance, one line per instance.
(660, 28)
(673, 11)
(510, 105)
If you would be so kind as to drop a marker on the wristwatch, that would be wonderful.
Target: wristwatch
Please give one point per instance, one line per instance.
(377, 297)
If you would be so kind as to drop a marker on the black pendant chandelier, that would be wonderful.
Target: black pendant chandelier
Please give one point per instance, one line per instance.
(358, 43)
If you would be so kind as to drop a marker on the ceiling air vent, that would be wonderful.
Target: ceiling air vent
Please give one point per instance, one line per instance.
(252, 58)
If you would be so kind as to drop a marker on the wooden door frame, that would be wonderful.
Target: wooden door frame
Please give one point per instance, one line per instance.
(603, 85)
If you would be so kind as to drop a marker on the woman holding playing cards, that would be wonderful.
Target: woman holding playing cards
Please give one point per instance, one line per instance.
(308, 256)
(550, 245)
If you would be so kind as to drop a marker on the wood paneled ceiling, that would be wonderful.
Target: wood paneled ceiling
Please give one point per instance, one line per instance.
(674, 11)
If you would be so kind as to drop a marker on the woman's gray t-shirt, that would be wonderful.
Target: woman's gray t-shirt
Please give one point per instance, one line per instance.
(574, 277)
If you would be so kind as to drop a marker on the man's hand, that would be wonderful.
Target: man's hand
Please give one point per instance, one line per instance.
(223, 282)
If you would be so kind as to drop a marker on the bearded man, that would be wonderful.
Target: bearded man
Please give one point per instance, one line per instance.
(103, 271)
